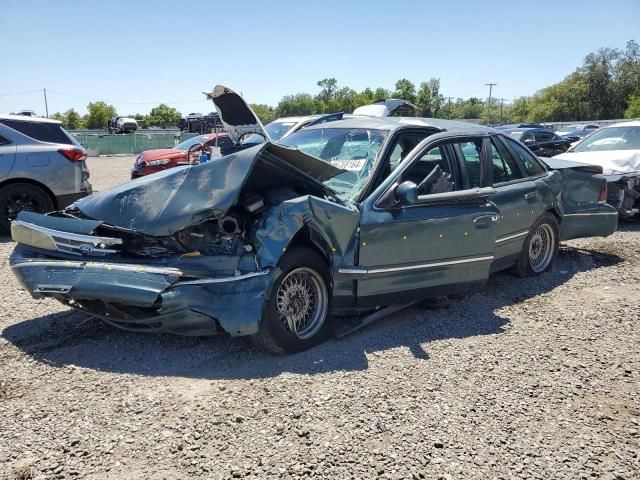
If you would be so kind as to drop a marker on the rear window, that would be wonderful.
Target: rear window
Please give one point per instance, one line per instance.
(43, 132)
(4, 141)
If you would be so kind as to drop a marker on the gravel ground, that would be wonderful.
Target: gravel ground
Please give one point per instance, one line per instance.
(534, 378)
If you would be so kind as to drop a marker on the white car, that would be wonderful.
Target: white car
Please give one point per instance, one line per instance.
(616, 149)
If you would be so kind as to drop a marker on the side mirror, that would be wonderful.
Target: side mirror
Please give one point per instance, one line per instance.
(407, 193)
(528, 141)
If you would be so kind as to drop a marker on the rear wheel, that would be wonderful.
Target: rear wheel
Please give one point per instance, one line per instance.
(22, 196)
(540, 247)
(297, 312)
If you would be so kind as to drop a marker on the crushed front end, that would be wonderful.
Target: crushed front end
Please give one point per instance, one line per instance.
(140, 283)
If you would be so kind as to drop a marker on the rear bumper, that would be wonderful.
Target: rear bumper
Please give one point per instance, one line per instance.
(146, 297)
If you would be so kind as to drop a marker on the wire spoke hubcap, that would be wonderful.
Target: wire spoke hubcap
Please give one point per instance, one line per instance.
(541, 247)
(302, 302)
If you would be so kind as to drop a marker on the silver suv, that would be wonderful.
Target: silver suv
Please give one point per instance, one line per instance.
(42, 167)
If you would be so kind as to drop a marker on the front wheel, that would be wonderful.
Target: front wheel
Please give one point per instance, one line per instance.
(297, 313)
(540, 247)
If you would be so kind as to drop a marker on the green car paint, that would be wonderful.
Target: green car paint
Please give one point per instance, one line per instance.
(380, 250)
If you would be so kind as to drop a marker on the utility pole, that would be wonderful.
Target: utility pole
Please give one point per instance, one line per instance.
(490, 85)
(46, 106)
(501, 108)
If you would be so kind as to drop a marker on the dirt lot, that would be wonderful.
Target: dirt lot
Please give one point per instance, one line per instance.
(535, 378)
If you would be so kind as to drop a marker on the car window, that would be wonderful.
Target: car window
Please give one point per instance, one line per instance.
(503, 166)
(41, 131)
(4, 141)
(403, 144)
(543, 136)
(470, 152)
(611, 138)
(531, 164)
(431, 172)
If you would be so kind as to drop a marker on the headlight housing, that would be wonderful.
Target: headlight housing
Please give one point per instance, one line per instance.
(160, 161)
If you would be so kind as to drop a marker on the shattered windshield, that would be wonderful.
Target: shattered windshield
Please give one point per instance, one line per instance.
(277, 130)
(612, 138)
(352, 149)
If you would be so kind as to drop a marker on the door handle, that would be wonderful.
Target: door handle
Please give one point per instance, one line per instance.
(484, 219)
(530, 195)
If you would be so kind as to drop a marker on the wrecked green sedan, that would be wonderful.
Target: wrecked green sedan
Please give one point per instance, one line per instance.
(274, 241)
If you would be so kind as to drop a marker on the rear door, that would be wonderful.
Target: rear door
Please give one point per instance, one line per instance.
(516, 196)
(7, 154)
(441, 243)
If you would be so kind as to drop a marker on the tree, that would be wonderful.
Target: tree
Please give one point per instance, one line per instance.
(405, 90)
(264, 112)
(73, 120)
(293, 105)
(429, 100)
(162, 116)
(328, 89)
(633, 110)
(57, 116)
(99, 114)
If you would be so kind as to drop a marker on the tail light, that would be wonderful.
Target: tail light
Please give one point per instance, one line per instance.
(73, 154)
(602, 198)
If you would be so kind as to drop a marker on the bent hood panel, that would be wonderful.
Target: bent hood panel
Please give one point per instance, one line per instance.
(168, 201)
(612, 161)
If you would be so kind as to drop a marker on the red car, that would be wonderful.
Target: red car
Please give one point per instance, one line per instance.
(152, 161)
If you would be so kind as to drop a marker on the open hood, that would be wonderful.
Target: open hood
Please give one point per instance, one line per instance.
(168, 201)
(236, 116)
(385, 108)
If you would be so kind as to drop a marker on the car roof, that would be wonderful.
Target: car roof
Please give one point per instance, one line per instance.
(24, 118)
(394, 123)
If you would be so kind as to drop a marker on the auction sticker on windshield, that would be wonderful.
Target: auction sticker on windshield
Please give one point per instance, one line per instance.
(354, 165)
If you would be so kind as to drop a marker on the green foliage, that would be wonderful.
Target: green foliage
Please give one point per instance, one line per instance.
(99, 114)
(405, 90)
(633, 110)
(71, 120)
(162, 116)
(264, 112)
(600, 89)
(429, 100)
(293, 105)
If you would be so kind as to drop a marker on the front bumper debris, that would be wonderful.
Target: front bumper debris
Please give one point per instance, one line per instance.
(147, 298)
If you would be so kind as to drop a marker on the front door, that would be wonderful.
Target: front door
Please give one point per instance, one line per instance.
(440, 243)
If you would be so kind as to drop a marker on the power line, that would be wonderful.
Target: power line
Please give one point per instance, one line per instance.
(20, 93)
(125, 101)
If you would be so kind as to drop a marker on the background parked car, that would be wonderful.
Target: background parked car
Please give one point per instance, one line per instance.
(122, 125)
(541, 141)
(616, 149)
(152, 161)
(42, 167)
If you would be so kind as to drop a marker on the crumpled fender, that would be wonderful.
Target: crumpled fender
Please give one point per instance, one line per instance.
(336, 225)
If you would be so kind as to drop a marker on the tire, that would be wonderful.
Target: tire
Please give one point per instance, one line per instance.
(301, 276)
(22, 196)
(540, 247)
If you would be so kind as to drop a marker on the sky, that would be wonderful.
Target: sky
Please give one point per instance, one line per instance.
(136, 54)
